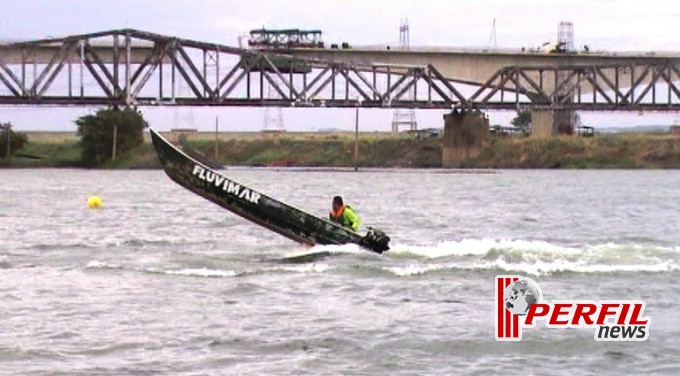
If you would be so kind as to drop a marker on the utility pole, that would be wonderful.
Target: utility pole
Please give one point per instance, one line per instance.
(273, 121)
(115, 136)
(404, 35)
(217, 124)
(8, 127)
(356, 139)
(493, 44)
(406, 117)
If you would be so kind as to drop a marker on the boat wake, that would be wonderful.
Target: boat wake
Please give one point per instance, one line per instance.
(214, 272)
(533, 257)
(480, 255)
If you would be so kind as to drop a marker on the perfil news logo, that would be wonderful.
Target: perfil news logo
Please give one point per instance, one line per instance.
(520, 304)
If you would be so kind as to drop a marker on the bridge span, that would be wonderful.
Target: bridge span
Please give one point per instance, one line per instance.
(555, 84)
(129, 67)
(476, 66)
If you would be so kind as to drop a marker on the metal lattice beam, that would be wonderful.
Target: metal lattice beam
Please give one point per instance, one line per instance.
(131, 67)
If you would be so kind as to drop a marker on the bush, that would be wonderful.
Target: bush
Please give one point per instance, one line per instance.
(16, 140)
(96, 134)
(522, 120)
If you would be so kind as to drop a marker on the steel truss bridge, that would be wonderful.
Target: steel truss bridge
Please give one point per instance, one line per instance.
(135, 68)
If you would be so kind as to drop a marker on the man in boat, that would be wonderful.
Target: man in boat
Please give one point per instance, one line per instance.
(344, 215)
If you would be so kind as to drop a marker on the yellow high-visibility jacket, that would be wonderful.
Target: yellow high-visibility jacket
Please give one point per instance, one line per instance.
(346, 217)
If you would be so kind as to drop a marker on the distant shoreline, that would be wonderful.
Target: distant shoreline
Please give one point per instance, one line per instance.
(376, 150)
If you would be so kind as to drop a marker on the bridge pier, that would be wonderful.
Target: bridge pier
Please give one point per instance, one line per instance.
(547, 123)
(465, 132)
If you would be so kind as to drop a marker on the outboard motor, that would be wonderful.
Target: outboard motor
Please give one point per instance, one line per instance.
(376, 240)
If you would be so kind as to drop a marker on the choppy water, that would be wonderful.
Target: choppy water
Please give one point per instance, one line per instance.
(163, 282)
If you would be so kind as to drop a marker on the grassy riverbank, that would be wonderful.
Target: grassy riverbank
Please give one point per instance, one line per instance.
(635, 150)
(251, 149)
(631, 150)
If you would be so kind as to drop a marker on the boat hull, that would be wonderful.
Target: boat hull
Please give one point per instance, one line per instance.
(253, 205)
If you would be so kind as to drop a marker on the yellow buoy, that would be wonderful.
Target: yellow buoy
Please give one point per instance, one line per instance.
(94, 202)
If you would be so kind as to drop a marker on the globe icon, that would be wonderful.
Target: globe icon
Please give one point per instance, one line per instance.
(520, 295)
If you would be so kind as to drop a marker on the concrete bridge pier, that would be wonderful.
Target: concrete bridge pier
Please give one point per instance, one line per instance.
(547, 123)
(465, 133)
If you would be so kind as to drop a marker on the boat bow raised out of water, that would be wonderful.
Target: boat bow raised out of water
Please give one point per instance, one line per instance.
(255, 206)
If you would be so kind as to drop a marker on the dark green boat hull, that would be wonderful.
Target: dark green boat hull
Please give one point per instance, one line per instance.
(256, 206)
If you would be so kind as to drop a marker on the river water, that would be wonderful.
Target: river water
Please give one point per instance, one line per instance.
(161, 281)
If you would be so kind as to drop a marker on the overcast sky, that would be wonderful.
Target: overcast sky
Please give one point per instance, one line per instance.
(603, 25)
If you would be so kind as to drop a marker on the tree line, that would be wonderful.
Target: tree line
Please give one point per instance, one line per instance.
(99, 133)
